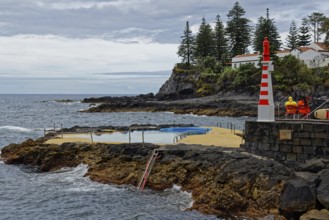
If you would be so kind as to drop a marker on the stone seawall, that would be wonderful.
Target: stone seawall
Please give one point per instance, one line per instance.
(288, 141)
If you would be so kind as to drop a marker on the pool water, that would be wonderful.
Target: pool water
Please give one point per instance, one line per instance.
(162, 136)
(190, 130)
(153, 136)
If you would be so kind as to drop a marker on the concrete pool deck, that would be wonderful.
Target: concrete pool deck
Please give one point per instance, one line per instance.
(216, 137)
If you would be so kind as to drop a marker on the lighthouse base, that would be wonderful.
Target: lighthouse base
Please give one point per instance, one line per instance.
(265, 113)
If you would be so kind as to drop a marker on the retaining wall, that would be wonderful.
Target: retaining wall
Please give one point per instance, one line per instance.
(287, 141)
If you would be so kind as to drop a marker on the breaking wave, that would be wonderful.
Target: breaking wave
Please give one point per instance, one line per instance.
(16, 128)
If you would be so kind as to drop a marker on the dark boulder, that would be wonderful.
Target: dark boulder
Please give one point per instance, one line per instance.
(323, 189)
(309, 177)
(312, 165)
(297, 197)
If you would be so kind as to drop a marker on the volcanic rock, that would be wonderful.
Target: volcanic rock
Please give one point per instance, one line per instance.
(222, 181)
(316, 215)
(297, 196)
(323, 189)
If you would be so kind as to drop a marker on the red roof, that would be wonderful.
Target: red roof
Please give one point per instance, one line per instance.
(303, 49)
(256, 54)
(283, 51)
(247, 55)
(322, 45)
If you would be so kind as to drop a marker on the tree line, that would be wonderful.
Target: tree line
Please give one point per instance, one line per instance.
(213, 47)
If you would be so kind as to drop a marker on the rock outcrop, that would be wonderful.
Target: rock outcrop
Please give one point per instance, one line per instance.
(211, 105)
(185, 92)
(179, 86)
(223, 181)
(323, 189)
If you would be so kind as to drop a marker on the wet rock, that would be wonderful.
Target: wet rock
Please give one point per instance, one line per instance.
(222, 182)
(316, 215)
(64, 100)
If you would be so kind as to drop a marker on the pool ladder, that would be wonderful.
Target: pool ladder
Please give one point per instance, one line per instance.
(148, 170)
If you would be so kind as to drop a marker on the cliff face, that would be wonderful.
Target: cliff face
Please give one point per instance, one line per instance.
(186, 91)
(189, 82)
(180, 85)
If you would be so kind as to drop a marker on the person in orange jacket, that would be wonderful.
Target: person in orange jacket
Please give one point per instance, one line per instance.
(291, 107)
(303, 107)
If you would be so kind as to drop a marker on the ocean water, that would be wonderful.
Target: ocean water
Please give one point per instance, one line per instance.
(66, 194)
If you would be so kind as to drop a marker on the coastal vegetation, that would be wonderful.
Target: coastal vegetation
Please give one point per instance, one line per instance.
(207, 54)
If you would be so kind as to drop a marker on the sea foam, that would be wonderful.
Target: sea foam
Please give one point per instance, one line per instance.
(15, 128)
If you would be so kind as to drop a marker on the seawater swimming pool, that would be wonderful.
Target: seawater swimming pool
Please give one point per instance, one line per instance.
(191, 130)
(162, 136)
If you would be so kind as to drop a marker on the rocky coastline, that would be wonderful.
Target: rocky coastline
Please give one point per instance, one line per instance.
(215, 105)
(223, 181)
(226, 182)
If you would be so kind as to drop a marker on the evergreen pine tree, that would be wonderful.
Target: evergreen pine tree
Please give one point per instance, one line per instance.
(325, 30)
(292, 38)
(315, 20)
(304, 36)
(185, 49)
(265, 27)
(238, 30)
(220, 41)
(204, 43)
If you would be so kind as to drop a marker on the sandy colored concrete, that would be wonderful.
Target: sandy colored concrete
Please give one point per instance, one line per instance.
(217, 137)
(75, 138)
(68, 138)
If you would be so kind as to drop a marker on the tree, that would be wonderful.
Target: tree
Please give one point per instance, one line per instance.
(292, 38)
(247, 79)
(314, 20)
(238, 30)
(325, 29)
(265, 27)
(220, 41)
(204, 44)
(304, 36)
(185, 49)
(292, 76)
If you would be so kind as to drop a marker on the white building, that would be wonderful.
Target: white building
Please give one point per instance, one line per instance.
(315, 55)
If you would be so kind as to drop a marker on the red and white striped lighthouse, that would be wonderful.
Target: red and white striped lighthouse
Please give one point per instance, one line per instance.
(266, 104)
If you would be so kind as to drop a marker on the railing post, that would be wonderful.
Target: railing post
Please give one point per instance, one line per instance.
(143, 137)
(91, 137)
(129, 136)
(62, 130)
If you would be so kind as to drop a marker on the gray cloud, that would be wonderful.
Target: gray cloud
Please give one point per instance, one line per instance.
(131, 85)
(70, 46)
(133, 20)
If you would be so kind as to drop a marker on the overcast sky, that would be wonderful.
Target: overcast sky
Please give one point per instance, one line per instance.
(69, 46)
